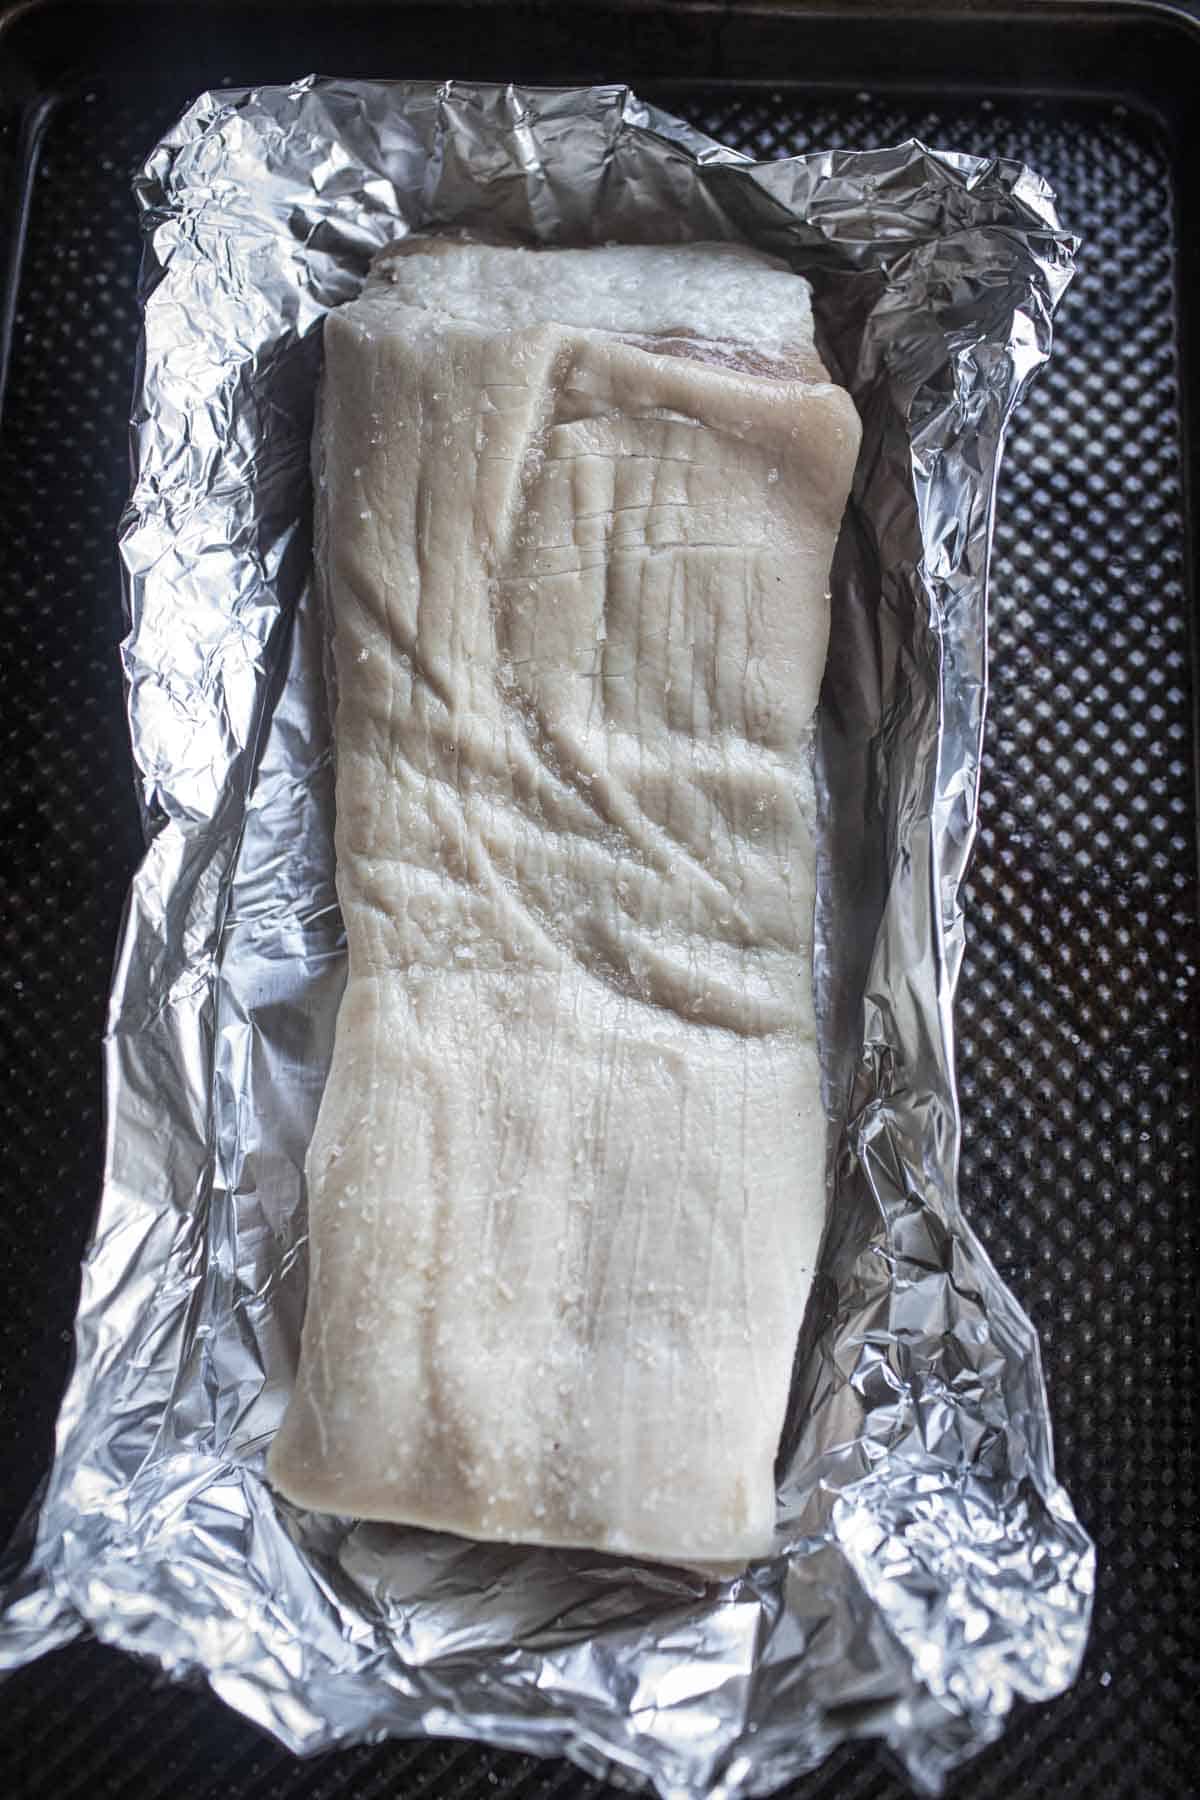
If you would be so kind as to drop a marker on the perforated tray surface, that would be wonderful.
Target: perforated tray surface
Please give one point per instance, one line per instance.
(1077, 1010)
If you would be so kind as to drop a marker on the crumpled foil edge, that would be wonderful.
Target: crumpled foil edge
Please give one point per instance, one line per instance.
(934, 1568)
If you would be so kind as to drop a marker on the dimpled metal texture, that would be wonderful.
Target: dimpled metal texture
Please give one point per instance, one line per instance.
(1075, 1006)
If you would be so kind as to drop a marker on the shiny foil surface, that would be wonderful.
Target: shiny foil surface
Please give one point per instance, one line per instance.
(930, 1568)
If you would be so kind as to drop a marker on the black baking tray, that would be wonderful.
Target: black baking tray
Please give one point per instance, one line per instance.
(1078, 1050)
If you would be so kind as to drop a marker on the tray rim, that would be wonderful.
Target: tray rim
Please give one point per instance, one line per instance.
(1180, 15)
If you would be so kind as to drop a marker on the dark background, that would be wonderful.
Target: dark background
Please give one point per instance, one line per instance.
(1077, 1014)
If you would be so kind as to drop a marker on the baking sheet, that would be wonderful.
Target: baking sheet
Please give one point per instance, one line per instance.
(195, 729)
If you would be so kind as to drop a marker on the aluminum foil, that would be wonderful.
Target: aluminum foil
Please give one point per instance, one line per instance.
(934, 1567)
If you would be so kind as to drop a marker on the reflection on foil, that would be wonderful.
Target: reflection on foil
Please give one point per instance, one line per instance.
(934, 1567)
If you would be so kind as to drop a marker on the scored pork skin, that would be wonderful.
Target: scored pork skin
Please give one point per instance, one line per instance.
(576, 512)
